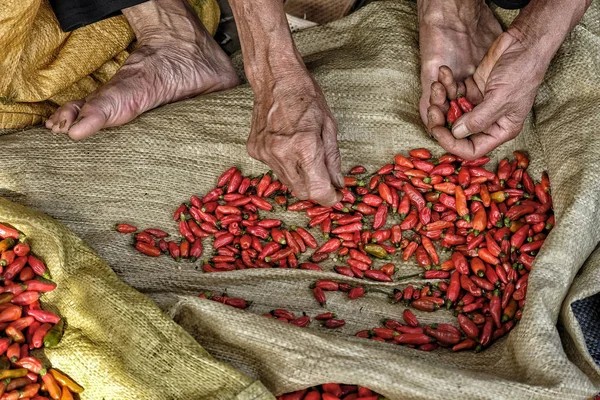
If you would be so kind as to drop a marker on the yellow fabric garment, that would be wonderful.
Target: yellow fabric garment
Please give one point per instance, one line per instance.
(42, 67)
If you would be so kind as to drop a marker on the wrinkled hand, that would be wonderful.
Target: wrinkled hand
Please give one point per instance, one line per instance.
(294, 133)
(503, 89)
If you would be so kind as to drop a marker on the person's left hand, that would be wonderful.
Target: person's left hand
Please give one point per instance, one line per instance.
(503, 89)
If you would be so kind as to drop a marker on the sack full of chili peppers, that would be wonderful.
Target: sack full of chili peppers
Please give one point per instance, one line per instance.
(488, 291)
(72, 329)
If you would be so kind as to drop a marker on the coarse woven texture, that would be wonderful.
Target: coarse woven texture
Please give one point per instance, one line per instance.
(117, 343)
(368, 66)
(319, 11)
(44, 67)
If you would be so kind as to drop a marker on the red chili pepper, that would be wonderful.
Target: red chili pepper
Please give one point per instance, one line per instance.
(533, 246)
(377, 275)
(470, 286)
(330, 246)
(301, 205)
(380, 216)
(430, 249)
(272, 188)
(278, 236)
(308, 239)
(42, 316)
(126, 228)
(422, 257)
(424, 305)
(409, 318)
(409, 250)
(464, 104)
(21, 249)
(319, 296)
(415, 197)
(334, 323)
(224, 178)
(404, 206)
(410, 221)
(403, 161)
(351, 228)
(356, 292)
(263, 184)
(357, 170)
(413, 338)
(145, 248)
(453, 113)
(444, 337)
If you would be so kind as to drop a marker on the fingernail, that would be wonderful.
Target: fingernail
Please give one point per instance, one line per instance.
(62, 123)
(340, 180)
(460, 131)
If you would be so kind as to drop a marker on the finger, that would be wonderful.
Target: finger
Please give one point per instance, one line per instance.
(471, 147)
(333, 159)
(436, 117)
(472, 92)
(446, 77)
(284, 161)
(316, 177)
(439, 97)
(460, 88)
(480, 119)
(63, 118)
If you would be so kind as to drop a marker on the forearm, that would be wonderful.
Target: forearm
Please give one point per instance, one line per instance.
(544, 24)
(267, 45)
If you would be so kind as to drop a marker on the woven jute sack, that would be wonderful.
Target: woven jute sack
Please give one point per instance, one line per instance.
(43, 67)
(117, 343)
(368, 66)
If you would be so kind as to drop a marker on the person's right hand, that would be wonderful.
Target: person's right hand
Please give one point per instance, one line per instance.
(294, 133)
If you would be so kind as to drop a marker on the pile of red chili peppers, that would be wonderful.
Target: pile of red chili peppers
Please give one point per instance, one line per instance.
(488, 225)
(26, 326)
(332, 391)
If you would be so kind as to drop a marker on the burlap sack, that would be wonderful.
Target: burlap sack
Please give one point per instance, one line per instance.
(368, 67)
(117, 344)
(43, 67)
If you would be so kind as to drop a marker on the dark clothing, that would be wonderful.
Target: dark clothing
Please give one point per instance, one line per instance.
(511, 4)
(73, 14)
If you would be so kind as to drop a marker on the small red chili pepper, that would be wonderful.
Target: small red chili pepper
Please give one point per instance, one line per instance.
(330, 246)
(377, 275)
(356, 292)
(334, 323)
(424, 305)
(413, 338)
(415, 197)
(453, 113)
(126, 228)
(145, 248)
(465, 105)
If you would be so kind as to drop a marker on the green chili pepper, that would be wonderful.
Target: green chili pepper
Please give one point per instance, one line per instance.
(54, 335)
(376, 250)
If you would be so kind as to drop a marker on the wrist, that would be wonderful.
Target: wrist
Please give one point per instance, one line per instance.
(539, 29)
(436, 12)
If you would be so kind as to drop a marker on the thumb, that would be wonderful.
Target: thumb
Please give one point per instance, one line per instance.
(479, 120)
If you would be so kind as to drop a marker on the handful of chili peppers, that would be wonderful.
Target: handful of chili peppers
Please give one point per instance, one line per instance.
(26, 326)
(488, 225)
(457, 108)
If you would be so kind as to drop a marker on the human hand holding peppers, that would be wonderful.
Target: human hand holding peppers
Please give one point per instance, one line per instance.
(505, 83)
(292, 130)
